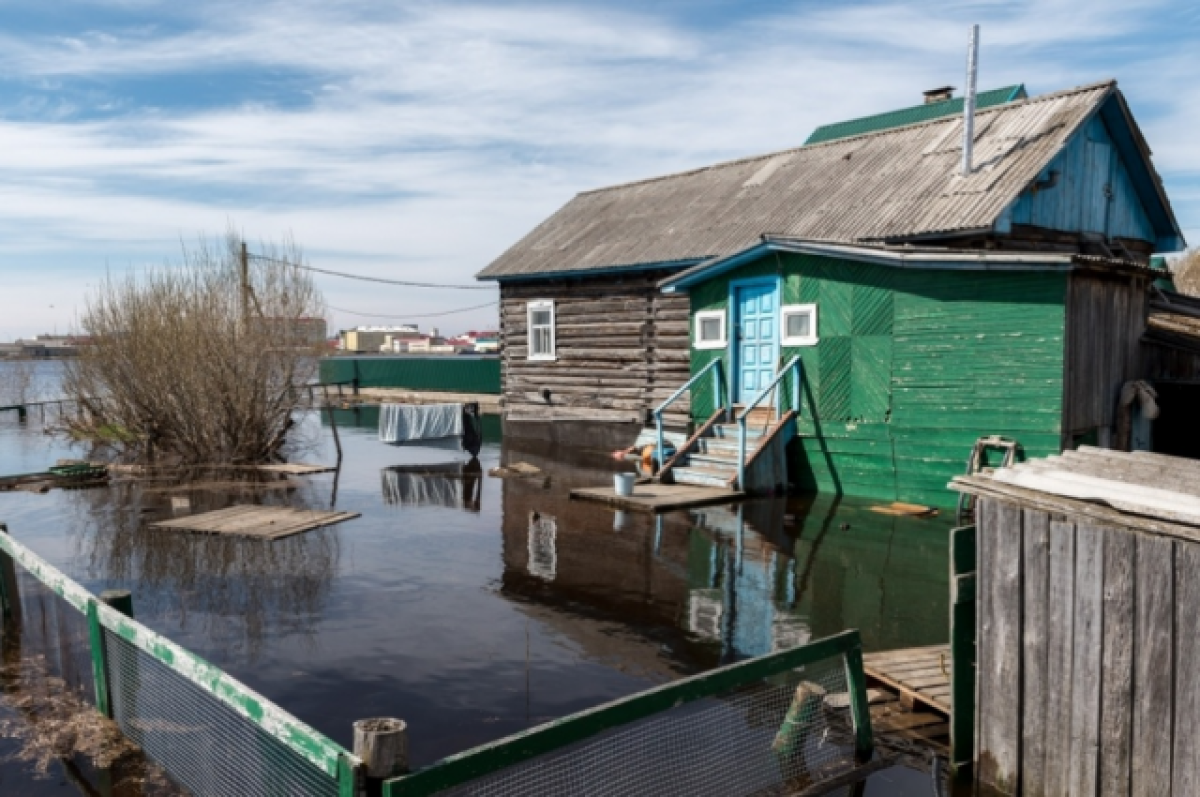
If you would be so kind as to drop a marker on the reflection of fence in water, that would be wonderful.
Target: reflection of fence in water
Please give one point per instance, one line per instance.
(454, 485)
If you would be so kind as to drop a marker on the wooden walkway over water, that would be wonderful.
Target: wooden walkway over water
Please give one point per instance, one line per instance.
(920, 680)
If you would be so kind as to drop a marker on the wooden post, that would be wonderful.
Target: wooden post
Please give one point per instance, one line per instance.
(245, 273)
(860, 712)
(337, 441)
(382, 745)
(10, 596)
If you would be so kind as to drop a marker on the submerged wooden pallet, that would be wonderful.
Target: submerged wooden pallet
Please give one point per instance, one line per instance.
(296, 468)
(264, 522)
(919, 675)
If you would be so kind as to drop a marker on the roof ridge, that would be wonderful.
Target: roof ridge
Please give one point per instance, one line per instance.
(1009, 90)
(1108, 82)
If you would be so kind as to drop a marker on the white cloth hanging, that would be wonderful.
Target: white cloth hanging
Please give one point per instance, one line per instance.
(401, 424)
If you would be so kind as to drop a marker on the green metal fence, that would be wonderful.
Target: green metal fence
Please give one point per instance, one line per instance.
(792, 722)
(446, 374)
(210, 733)
(780, 724)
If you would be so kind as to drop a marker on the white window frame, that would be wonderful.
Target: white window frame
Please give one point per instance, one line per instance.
(530, 308)
(708, 315)
(810, 339)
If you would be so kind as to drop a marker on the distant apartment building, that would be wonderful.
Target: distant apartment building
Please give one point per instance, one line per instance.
(372, 339)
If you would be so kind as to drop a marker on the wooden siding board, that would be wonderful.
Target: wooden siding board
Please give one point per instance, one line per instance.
(999, 668)
(1059, 661)
(1088, 171)
(1088, 649)
(1116, 680)
(1105, 320)
(1035, 686)
(1153, 687)
(1185, 761)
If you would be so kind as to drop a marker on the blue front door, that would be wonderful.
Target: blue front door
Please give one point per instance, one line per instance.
(757, 341)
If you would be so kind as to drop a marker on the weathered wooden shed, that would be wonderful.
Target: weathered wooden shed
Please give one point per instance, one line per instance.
(1088, 626)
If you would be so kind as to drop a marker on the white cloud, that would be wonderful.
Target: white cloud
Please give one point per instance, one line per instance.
(424, 139)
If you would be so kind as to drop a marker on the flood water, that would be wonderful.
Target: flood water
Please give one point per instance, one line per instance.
(471, 606)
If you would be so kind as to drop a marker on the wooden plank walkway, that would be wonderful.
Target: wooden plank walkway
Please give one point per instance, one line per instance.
(296, 468)
(919, 675)
(659, 497)
(263, 522)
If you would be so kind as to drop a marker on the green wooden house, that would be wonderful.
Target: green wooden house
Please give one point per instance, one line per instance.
(924, 307)
(882, 297)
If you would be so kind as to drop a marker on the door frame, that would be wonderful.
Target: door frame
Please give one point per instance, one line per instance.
(734, 322)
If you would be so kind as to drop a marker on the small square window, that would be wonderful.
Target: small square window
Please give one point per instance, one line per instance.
(799, 322)
(710, 330)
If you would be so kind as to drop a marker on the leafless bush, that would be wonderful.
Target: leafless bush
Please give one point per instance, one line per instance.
(17, 385)
(184, 365)
(1186, 271)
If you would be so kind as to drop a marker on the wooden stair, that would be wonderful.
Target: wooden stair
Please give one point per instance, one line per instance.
(709, 458)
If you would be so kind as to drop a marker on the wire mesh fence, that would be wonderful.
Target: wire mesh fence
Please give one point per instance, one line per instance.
(211, 734)
(779, 725)
(205, 745)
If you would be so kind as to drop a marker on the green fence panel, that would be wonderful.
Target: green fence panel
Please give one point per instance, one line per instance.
(513, 750)
(301, 740)
(448, 374)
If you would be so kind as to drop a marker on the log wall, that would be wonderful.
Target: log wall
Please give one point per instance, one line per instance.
(622, 348)
(1088, 656)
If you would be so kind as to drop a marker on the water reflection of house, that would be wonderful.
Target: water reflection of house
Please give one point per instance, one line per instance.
(719, 583)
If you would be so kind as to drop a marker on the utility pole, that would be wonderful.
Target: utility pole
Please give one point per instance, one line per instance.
(245, 284)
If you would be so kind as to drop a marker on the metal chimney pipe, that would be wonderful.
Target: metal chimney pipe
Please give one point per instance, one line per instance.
(969, 102)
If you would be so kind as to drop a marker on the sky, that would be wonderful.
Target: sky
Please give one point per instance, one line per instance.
(419, 140)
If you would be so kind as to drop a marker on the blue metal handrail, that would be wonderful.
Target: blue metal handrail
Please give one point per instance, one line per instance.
(718, 395)
(795, 367)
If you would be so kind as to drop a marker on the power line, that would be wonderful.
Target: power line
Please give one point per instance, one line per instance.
(411, 315)
(364, 278)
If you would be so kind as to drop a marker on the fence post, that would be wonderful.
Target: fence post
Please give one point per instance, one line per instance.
(860, 710)
(10, 596)
(99, 662)
(382, 745)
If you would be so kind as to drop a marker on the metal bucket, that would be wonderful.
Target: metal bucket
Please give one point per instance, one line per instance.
(623, 483)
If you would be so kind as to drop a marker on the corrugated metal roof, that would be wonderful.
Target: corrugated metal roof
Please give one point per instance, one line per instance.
(914, 115)
(889, 185)
(1139, 484)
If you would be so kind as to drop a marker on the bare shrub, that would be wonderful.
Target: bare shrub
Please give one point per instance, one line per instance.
(185, 366)
(17, 384)
(1186, 271)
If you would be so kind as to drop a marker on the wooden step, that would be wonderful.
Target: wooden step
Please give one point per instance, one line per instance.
(649, 437)
(701, 477)
(715, 460)
(729, 431)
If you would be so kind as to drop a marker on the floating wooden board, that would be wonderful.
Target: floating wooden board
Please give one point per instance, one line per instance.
(296, 468)
(264, 522)
(922, 675)
(659, 497)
